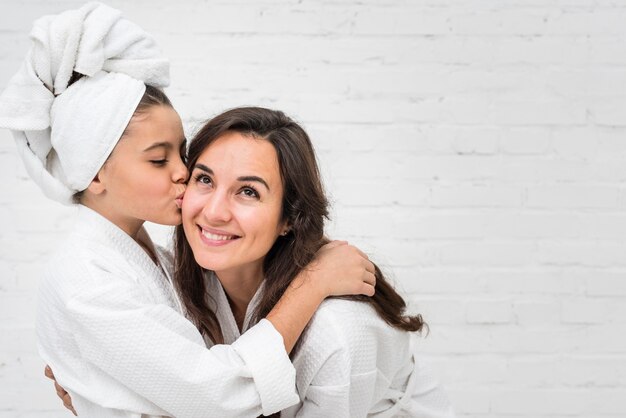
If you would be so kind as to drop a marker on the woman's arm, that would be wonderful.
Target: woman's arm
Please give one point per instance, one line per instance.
(338, 269)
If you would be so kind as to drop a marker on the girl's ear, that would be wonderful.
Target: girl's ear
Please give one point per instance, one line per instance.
(96, 186)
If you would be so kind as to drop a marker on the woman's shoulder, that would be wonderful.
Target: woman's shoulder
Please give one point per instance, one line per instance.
(347, 338)
(347, 323)
(348, 314)
(345, 305)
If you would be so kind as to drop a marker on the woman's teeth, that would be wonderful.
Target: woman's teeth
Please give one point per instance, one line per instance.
(216, 237)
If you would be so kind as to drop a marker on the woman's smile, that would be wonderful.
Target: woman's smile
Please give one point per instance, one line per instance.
(214, 237)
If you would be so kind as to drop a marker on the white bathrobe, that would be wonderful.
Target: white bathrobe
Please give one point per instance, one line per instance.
(110, 326)
(350, 363)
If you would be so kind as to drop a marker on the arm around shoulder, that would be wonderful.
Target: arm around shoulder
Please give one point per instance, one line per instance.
(158, 356)
(338, 269)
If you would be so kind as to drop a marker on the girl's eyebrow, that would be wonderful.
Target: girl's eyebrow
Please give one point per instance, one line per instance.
(256, 179)
(164, 144)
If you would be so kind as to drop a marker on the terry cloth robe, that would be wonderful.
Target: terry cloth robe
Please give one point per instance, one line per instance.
(110, 326)
(349, 363)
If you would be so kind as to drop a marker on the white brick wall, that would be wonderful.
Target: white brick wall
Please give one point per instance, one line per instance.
(476, 148)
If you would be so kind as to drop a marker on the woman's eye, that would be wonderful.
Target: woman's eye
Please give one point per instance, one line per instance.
(249, 192)
(203, 179)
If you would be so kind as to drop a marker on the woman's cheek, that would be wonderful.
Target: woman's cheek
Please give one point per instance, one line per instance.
(191, 202)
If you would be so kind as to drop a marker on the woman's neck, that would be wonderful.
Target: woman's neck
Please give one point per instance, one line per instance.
(240, 285)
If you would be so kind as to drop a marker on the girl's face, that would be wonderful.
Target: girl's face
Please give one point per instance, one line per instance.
(233, 204)
(144, 178)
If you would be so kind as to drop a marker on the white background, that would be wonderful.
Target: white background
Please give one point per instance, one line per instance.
(475, 149)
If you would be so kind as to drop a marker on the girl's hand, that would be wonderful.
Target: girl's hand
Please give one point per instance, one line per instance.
(341, 269)
(61, 393)
(338, 269)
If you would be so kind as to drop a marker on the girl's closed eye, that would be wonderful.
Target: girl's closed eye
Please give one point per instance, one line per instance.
(159, 162)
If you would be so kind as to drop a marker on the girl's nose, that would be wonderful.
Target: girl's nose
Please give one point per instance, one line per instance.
(180, 173)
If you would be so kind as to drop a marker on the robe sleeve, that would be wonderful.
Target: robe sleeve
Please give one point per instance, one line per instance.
(328, 395)
(154, 352)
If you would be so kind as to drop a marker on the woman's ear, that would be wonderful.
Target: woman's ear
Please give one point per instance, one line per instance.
(285, 228)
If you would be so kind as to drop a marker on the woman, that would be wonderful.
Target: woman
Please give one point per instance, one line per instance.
(93, 128)
(253, 217)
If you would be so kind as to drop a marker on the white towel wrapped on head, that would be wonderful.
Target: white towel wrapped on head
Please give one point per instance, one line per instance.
(64, 133)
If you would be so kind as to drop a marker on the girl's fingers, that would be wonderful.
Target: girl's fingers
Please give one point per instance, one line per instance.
(369, 278)
(60, 391)
(67, 402)
(368, 290)
(369, 267)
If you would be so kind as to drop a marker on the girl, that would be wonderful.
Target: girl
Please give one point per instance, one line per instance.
(93, 128)
(253, 217)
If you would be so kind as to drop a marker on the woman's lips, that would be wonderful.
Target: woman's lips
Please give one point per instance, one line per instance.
(216, 238)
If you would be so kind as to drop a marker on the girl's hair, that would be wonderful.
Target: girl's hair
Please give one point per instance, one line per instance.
(304, 207)
(153, 96)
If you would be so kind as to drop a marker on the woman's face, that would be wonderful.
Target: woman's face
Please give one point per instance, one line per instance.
(144, 177)
(233, 204)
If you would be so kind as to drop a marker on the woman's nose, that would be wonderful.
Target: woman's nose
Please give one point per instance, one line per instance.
(217, 208)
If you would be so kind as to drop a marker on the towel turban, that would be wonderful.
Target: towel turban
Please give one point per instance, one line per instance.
(65, 132)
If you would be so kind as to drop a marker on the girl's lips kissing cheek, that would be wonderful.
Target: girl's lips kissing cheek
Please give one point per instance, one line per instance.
(179, 200)
(214, 237)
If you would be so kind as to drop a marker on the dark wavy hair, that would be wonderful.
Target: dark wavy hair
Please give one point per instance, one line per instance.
(305, 208)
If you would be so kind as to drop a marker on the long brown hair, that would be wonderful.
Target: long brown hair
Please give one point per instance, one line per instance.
(305, 208)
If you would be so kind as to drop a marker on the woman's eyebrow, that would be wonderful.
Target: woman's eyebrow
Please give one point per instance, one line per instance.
(203, 168)
(255, 179)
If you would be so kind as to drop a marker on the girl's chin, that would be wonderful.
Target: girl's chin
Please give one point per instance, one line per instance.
(173, 220)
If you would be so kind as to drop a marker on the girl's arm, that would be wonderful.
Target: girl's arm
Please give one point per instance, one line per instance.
(338, 269)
